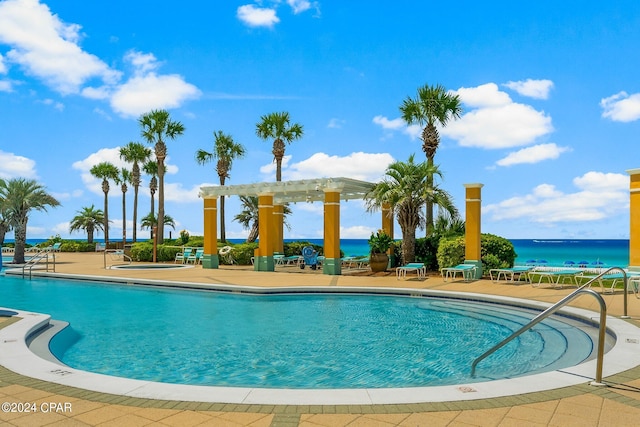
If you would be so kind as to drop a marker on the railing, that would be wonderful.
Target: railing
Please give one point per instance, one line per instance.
(557, 306)
(37, 259)
(115, 254)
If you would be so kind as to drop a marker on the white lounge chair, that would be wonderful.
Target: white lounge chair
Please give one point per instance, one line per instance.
(509, 274)
(467, 271)
(418, 267)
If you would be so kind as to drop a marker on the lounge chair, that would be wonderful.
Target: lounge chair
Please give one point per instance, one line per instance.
(467, 271)
(555, 277)
(196, 256)
(418, 267)
(183, 256)
(510, 274)
(54, 248)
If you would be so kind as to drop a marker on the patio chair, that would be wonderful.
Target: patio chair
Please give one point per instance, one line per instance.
(467, 271)
(195, 257)
(182, 256)
(418, 267)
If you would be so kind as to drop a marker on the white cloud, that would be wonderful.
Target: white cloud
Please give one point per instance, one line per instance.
(270, 168)
(299, 6)
(537, 89)
(356, 232)
(257, 17)
(55, 104)
(5, 86)
(147, 90)
(14, 166)
(3, 66)
(175, 192)
(336, 123)
(496, 122)
(534, 154)
(47, 48)
(398, 125)
(621, 107)
(111, 155)
(362, 166)
(598, 196)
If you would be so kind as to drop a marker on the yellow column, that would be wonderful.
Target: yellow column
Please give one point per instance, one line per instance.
(264, 258)
(473, 204)
(332, 263)
(278, 227)
(634, 219)
(210, 256)
(387, 227)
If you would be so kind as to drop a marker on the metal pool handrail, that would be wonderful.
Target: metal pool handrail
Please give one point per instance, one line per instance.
(553, 309)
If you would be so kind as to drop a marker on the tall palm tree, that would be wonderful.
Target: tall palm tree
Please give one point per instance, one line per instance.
(123, 179)
(19, 196)
(105, 171)
(136, 153)
(225, 150)
(5, 225)
(278, 126)
(249, 218)
(434, 105)
(157, 126)
(151, 168)
(88, 219)
(404, 189)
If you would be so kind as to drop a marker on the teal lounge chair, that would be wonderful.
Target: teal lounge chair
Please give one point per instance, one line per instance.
(183, 256)
(418, 267)
(509, 274)
(195, 257)
(467, 271)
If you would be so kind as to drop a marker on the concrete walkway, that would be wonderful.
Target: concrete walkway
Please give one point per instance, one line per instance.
(582, 405)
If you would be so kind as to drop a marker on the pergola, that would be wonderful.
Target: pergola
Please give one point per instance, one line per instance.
(271, 199)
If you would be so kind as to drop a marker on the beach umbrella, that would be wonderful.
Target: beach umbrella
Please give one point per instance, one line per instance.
(597, 263)
(569, 263)
(542, 261)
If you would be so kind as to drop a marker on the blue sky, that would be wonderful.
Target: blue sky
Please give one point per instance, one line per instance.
(550, 92)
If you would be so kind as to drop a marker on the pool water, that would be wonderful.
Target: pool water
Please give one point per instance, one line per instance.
(290, 341)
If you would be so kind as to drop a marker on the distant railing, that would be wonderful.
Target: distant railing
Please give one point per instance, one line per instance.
(37, 259)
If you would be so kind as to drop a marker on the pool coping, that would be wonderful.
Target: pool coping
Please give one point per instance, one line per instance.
(16, 356)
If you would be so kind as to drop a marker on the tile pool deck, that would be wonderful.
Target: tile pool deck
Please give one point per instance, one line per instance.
(580, 405)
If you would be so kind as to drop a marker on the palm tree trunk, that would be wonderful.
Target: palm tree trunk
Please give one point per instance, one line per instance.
(253, 234)
(160, 231)
(223, 234)
(429, 204)
(20, 234)
(135, 214)
(124, 218)
(408, 245)
(106, 219)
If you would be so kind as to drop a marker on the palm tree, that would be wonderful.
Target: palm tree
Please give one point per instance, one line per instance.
(136, 153)
(150, 220)
(5, 225)
(277, 126)
(105, 171)
(151, 168)
(19, 196)
(404, 189)
(225, 150)
(89, 220)
(433, 106)
(249, 218)
(156, 127)
(123, 178)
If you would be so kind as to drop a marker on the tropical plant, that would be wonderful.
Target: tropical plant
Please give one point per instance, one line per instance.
(496, 252)
(157, 126)
(149, 221)
(123, 179)
(434, 105)
(249, 218)
(18, 197)
(137, 154)
(403, 189)
(380, 242)
(225, 150)
(105, 171)
(278, 126)
(88, 219)
(5, 225)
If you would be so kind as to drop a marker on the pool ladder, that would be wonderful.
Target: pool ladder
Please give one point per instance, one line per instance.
(557, 306)
(37, 259)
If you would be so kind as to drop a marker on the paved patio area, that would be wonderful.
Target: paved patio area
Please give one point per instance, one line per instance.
(581, 405)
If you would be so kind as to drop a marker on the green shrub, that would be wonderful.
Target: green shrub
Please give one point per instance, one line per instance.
(427, 252)
(142, 251)
(295, 248)
(241, 253)
(495, 252)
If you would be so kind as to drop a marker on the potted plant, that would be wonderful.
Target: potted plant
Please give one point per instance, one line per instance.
(379, 244)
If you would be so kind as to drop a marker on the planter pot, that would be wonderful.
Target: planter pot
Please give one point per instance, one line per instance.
(378, 262)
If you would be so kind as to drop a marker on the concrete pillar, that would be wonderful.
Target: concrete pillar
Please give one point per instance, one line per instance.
(332, 263)
(634, 219)
(210, 256)
(278, 228)
(387, 227)
(473, 204)
(263, 261)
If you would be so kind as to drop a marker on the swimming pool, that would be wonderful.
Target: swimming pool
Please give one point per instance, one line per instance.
(105, 332)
